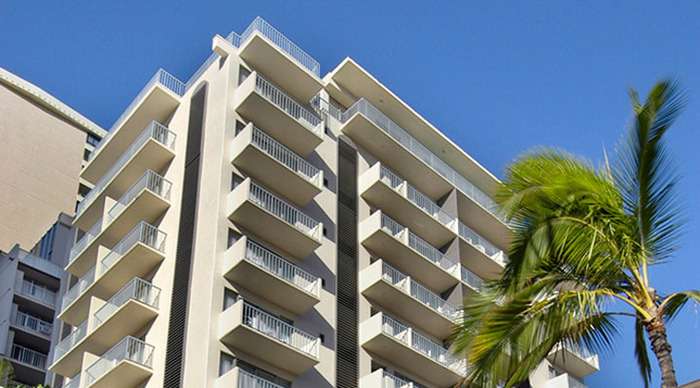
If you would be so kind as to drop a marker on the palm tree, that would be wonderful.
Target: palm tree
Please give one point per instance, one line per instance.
(584, 240)
(6, 372)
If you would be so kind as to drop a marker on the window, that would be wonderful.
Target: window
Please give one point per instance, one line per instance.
(243, 73)
(226, 363)
(86, 154)
(233, 236)
(236, 180)
(230, 297)
(92, 139)
(239, 126)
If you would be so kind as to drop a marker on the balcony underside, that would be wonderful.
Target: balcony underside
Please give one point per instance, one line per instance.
(124, 374)
(158, 104)
(274, 174)
(279, 67)
(147, 206)
(478, 261)
(483, 221)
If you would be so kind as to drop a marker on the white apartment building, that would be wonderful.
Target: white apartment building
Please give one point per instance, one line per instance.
(264, 225)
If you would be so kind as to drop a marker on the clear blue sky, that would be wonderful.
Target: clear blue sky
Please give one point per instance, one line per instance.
(498, 78)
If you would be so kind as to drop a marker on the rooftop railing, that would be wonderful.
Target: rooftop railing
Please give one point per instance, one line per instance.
(249, 380)
(275, 264)
(66, 344)
(279, 98)
(143, 233)
(423, 345)
(284, 155)
(128, 349)
(149, 181)
(154, 130)
(286, 212)
(28, 356)
(81, 285)
(137, 289)
(36, 291)
(274, 327)
(32, 323)
(278, 38)
(471, 279)
(421, 152)
(482, 244)
(419, 292)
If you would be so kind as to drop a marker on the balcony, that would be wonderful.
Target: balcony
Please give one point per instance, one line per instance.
(156, 101)
(564, 380)
(28, 365)
(35, 292)
(577, 361)
(404, 297)
(127, 364)
(255, 332)
(274, 220)
(409, 350)
(31, 324)
(471, 282)
(152, 149)
(483, 257)
(407, 252)
(125, 313)
(136, 255)
(276, 166)
(251, 265)
(239, 378)
(380, 187)
(279, 115)
(383, 379)
(267, 50)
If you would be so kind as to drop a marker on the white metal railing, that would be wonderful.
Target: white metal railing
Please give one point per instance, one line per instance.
(287, 157)
(423, 345)
(275, 264)
(154, 130)
(81, 285)
(409, 286)
(482, 244)
(28, 356)
(144, 233)
(422, 152)
(85, 240)
(66, 344)
(391, 381)
(32, 323)
(276, 96)
(580, 351)
(136, 289)
(74, 382)
(149, 181)
(161, 77)
(471, 279)
(274, 327)
(35, 291)
(278, 38)
(249, 380)
(286, 212)
(419, 199)
(129, 348)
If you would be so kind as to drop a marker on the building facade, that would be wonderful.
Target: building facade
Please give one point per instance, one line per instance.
(261, 225)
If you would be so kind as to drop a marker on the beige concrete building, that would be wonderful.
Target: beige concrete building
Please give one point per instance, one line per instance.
(44, 145)
(261, 225)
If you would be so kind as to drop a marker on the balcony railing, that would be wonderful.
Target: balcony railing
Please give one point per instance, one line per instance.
(564, 380)
(421, 152)
(74, 382)
(144, 233)
(154, 130)
(281, 41)
(28, 356)
(275, 264)
(423, 345)
(482, 244)
(162, 78)
(274, 327)
(279, 98)
(391, 381)
(136, 289)
(472, 279)
(35, 291)
(81, 285)
(151, 181)
(416, 197)
(130, 348)
(421, 246)
(419, 292)
(85, 240)
(32, 323)
(70, 340)
(286, 212)
(249, 380)
(287, 157)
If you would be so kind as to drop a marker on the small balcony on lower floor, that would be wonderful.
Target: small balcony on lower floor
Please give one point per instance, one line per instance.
(37, 293)
(575, 360)
(31, 324)
(564, 380)
(266, 273)
(407, 252)
(274, 220)
(409, 350)
(268, 338)
(137, 254)
(28, 365)
(125, 313)
(276, 166)
(127, 364)
(402, 296)
(384, 379)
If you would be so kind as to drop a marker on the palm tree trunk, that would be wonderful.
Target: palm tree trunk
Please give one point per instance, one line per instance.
(656, 330)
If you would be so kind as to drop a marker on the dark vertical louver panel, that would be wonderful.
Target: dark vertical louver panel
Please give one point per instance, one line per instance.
(186, 234)
(347, 319)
